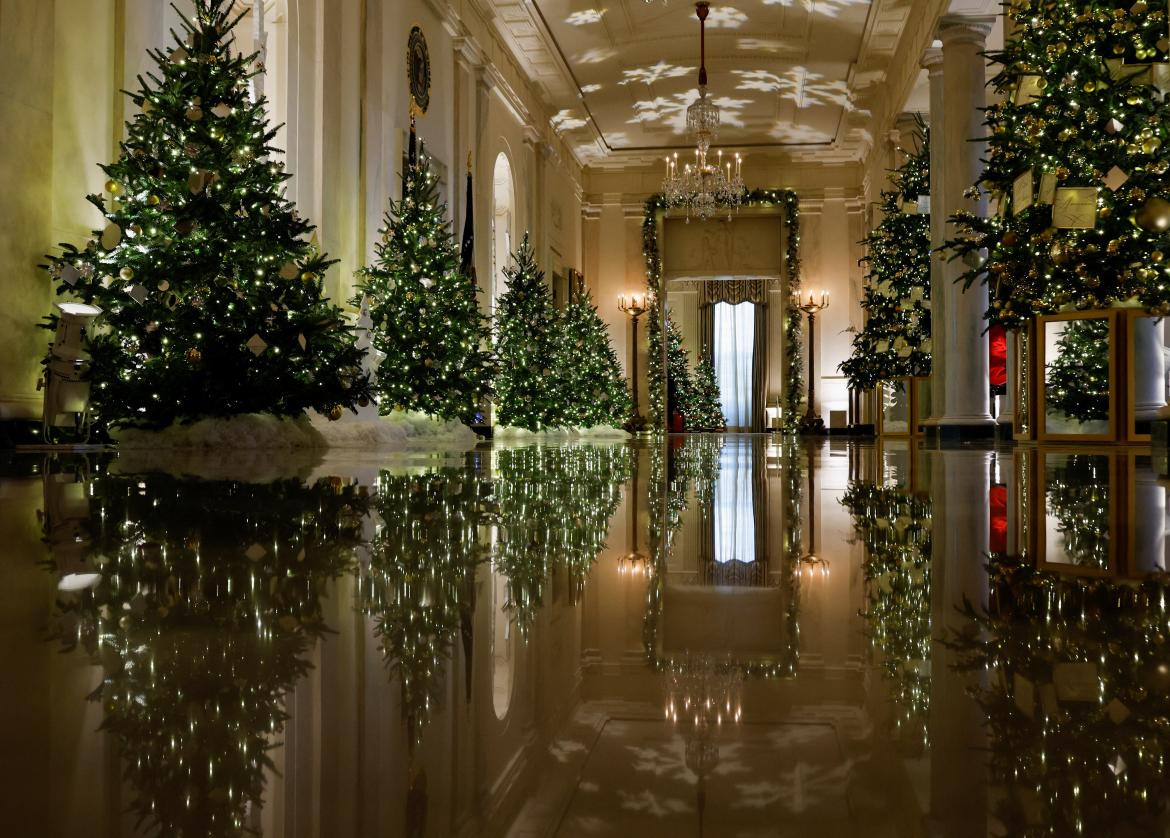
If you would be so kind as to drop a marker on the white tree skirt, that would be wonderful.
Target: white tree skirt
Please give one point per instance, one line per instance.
(261, 431)
(505, 433)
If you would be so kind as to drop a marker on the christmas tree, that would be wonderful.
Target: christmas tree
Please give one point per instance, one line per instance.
(679, 384)
(427, 322)
(210, 288)
(1077, 162)
(206, 601)
(706, 409)
(591, 375)
(1076, 381)
(528, 338)
(895, 340)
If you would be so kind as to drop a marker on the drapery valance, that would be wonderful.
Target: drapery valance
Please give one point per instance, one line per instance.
(733, 291)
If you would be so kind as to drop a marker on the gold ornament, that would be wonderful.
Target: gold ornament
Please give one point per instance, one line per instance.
(1154, 215)
(194, 356)
(113, 187)
(336, 412)
(309, 276)
(154, 200)
(126, 273)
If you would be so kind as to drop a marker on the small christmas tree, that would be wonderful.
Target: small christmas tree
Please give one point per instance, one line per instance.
(591, 375)
(707, 410)
(528, 333)
(1077, 379)
(896, 338)
(679, 384)
(210, 289)
(427, 321)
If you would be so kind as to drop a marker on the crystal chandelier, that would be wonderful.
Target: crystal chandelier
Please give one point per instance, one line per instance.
(703, 187)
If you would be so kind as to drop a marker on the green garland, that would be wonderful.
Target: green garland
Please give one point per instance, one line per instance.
(793, 325)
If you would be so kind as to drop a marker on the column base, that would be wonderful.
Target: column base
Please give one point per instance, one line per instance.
(951, 434)
(1005, 432)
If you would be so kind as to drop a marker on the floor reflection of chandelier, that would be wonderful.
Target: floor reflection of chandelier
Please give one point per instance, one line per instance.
(703, 187)
(703, 692)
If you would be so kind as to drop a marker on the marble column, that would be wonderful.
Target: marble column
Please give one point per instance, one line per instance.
(967, 413)
(933, 62)
(1149, 368)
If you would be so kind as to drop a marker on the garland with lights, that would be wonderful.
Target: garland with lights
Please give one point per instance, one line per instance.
(204, 602)
(1074, 676)
(1077, 163)
(422, 556)
(788, 200)
(591, 376)
(210, 290)
(895, 529)
(529, 386)
(694, 467)
(895, 341)
(428, 328)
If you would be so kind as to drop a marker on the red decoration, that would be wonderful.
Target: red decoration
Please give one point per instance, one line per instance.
(999, 518)
(997, 352)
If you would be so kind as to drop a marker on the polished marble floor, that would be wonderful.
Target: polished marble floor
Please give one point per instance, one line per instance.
(721, 636)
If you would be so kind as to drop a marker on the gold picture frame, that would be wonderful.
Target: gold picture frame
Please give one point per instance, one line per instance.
(1041, 417)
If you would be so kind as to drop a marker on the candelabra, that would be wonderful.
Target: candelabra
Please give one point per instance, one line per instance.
(634, 306)
(811, 423)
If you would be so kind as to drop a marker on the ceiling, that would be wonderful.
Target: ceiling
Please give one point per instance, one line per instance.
(785, 73)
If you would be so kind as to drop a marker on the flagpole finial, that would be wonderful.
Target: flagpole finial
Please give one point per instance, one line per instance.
(469, 162)
(414, 112)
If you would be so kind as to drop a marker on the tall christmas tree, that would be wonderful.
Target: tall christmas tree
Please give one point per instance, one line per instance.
(528, 336)
(427, 322)
(592, 379)
(679, 383)
(895, 340)
(1076, 381)
(1077, 164)
(210, 288)
(707, 409)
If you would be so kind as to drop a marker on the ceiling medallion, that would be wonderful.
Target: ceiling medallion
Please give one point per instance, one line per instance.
(703, 188)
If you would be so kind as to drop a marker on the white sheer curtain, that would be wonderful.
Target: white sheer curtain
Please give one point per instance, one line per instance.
(734, 339)
(735, 523)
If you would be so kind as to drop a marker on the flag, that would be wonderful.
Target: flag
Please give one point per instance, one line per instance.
(467, 247)
(411, 152)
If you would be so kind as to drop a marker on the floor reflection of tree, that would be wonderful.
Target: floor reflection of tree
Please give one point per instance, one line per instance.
(204, 600)
(894, 526)
(1075, 682)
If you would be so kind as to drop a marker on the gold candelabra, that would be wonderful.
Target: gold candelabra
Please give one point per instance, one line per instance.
(811, 423)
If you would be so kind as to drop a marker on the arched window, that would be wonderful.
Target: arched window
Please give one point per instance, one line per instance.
(503, 221)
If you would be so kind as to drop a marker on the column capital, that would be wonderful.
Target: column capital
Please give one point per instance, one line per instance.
(932, 61)
(964, 29)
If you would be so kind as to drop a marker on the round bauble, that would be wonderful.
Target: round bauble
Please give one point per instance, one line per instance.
(126, 273)
(1154, 215)
(309, 276)
(194, 356)
(113, 187)
(336, 412)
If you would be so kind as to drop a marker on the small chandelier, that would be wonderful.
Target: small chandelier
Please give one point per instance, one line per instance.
(703, 187)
